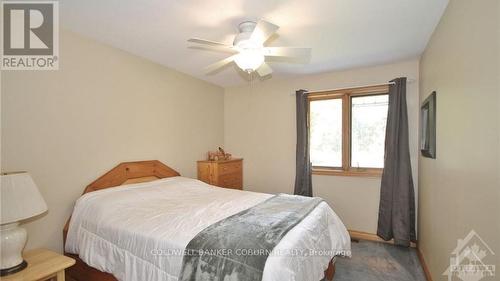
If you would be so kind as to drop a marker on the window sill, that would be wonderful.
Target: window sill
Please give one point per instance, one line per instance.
(369, 172)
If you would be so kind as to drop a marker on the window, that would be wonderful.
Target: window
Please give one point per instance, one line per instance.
(326, 132)
(347, 131)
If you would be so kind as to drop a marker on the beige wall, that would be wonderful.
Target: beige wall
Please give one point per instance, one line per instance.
(460, 190)
(260, 127)
(102, 107)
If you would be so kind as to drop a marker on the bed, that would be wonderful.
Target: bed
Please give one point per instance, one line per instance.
(132, 223)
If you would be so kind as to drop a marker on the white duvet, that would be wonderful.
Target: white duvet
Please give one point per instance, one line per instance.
(138, 232)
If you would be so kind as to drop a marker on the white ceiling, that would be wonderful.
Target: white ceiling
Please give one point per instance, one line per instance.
(342, 33)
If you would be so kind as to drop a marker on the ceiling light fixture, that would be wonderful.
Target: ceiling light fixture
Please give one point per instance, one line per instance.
(249, 59)
(248, 50)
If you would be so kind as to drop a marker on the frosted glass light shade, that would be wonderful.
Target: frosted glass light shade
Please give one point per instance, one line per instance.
(20, 198)
(249, 59)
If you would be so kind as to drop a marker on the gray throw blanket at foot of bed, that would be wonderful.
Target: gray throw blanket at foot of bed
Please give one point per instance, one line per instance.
(236, 248)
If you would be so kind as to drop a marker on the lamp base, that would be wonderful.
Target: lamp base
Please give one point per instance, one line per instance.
(14, 269)
(12, 241)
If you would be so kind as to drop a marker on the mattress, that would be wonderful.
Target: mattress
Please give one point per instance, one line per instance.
(139, 231)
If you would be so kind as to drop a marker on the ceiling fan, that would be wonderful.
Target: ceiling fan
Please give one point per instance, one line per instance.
(248, 48)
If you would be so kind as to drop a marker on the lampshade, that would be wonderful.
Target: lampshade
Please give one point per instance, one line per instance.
(20, 198)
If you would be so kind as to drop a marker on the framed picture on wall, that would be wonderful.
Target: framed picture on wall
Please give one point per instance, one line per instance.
(428, 127)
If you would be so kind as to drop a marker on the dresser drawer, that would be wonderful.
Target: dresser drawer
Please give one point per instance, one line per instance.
(229, 168)
(231, 181)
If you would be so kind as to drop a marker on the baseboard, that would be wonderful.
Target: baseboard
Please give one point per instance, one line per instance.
(427, 273)
(360, 235)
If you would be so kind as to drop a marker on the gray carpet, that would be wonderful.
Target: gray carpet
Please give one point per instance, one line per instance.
(379, 262)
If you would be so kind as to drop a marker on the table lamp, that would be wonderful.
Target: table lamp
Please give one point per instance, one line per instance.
(20, 200)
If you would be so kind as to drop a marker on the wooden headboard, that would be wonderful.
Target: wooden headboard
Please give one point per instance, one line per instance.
(126, 173)
(132, 172)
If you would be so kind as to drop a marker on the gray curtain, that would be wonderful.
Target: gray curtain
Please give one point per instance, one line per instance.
(396, 218)
(303, 179)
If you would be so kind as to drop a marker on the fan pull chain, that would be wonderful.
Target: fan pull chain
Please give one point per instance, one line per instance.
(251, 81)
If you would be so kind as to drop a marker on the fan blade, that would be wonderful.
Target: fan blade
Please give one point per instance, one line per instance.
(263, 30)
(290, 52)
(220, 48)
(206, 42)
(264, 70)
(219, 64)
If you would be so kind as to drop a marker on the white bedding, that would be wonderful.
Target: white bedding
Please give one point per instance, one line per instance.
(138, 232)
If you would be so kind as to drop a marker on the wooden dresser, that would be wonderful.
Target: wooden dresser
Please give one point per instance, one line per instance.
(223, 173)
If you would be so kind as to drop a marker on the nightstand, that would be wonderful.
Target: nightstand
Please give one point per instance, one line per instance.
(42, 265)
(223, 173)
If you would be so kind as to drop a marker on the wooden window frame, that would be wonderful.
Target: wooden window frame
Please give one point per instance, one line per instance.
(346, 95)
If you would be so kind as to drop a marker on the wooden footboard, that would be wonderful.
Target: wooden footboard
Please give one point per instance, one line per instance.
(330, 271)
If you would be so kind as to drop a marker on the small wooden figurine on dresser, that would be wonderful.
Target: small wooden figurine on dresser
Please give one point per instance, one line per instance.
(221, 169)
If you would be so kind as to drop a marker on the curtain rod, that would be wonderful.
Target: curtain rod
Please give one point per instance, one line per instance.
(361, 86)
